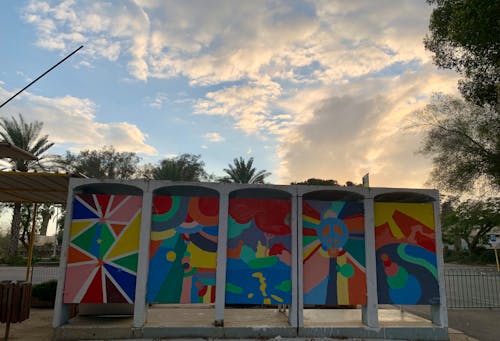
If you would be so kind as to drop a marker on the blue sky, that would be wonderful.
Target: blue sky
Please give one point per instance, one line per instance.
(308, 88)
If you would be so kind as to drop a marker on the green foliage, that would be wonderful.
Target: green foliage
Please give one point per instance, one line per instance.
(470, 221)
(106, 163)
(26, 136)
(45, 291)
(465, 36)
(243, 172)
(480, 257)
(464, 142)
(317, 182)
(185, 167)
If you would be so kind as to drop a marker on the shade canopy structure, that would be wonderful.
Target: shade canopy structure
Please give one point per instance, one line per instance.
(31, 187)
(9, 150)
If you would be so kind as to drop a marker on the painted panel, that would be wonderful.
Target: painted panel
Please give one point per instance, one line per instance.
(333, 244)
(103, 249)
(183, 249)
(405, 246)
(259, 252)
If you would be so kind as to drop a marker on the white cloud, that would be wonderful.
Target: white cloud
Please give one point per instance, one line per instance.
(214, 137)
(331, 81)
(157, 101)
(71, 121)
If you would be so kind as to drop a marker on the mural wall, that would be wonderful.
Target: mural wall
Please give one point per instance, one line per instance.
(259, 252)
(333, 252)
(405, 245)
(183, 249)
(103, 249)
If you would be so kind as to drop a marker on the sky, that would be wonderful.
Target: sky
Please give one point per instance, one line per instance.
(322, 89)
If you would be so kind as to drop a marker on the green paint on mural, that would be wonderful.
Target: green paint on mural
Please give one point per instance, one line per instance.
(233, 288)
(347, 270)
(247, 254)
(129, 262)
(105, 241)
(356, 247)
(285, 286)
(166, 216)
(306, 240)
(85, 240)
(336, 206)
(264, 262)
(171, 288)
(235, 229)
(399, 280)
(419, 261)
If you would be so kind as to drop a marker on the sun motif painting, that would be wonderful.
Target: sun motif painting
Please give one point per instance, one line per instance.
(103, 249)
(259, 252)
(183, 249)
(405, 244)
(333, 252)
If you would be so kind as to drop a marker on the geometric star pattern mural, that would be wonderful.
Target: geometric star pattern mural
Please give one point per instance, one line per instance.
(103, 250)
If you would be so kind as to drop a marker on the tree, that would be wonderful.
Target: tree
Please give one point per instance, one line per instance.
(464, 142)
(185, 167)
(27, 136)
(470, 220)
(317, 182)
(243, 172)
(106, 163)
(465, 36)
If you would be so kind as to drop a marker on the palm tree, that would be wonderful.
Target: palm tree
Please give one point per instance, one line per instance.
(26, 136)
(243, 172)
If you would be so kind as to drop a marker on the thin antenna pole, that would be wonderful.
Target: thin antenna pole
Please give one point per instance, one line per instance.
(46, 72)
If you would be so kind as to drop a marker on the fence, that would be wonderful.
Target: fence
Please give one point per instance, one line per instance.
(472, 288)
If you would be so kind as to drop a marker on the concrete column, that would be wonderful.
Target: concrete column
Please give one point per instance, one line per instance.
(439, 313)
(220, 289)
(370, 311)
(61, 310)
(140, 308)
(296, 257)
(300, 264)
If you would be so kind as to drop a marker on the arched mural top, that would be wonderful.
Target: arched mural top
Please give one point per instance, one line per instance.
(187, 191)
(332, 195)
(107, 188)
(260, 193)
(404, 197)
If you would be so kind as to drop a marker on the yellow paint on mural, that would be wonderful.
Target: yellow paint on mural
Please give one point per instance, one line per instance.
(310, 220)
(129, 240)
(79, 226)
(261, 250)
(423, 212)
(267, 301)
(201, 258)
(277, 298)
(342, 283)
(310, 248)
(162, 235)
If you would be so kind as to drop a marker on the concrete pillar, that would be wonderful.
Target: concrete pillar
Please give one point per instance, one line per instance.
(140, 307)
(220, 289)
(439, 313)
(369, 312)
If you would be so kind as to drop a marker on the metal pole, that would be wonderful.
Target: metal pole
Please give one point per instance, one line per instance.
(32, 240)
(496, 256)
(43, 74)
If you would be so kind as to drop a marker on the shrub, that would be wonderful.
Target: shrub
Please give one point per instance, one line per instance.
(45, 291)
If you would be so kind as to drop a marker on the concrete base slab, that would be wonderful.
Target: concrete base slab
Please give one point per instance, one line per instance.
(166, 321)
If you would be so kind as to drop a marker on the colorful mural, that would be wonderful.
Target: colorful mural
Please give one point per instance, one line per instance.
(183, 249)
(333, 252)
(103, 249)
(406, 253)
(259, 252)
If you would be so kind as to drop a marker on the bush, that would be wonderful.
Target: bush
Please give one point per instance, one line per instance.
(45, 291)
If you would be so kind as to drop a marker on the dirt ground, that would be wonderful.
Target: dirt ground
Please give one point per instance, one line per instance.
(37, 328)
